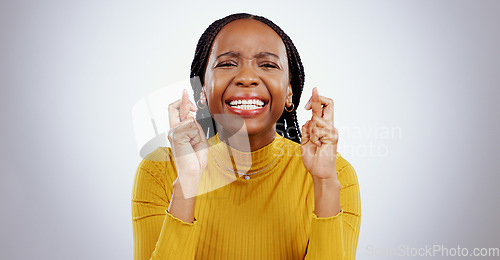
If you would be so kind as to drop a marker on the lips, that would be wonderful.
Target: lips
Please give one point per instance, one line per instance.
(247, 105)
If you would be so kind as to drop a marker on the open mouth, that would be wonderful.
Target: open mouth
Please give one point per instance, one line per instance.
(247, 104)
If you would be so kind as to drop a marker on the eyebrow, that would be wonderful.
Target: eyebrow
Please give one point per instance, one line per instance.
(258, 55)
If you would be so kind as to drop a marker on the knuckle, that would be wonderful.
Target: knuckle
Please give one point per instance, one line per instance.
(335, 135)
(189, 122)
(171, 135)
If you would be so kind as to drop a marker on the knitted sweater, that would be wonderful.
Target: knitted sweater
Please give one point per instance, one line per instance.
(269, 216)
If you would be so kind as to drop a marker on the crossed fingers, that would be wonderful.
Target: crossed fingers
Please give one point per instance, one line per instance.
(180, 110)
(320, 130)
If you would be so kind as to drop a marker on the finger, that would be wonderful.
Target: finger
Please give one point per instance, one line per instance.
(191, 128)
(203, 142)
(327, 136)
(173, 114)
(308, 133)
(316, 103)
(308, 104)
(322, 122)
(327, 104)
(183, 126)
(323, 100)
(183, 133)
(185, 106)
(315, 134)
(201, 146)
(305, 133)
(190, 115)
(192, 106)
(324, 131)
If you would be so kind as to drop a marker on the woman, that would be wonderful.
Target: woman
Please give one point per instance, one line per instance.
(247, 192)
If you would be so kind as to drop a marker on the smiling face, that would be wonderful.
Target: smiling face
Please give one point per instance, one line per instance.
(247, 76)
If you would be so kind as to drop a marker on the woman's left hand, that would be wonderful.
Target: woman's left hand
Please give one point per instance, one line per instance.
(319, 139)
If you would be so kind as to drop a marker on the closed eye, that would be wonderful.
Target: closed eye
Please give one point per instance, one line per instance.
(225, 64)
(269, 65)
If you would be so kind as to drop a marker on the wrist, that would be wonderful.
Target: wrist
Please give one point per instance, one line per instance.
(180, 206)
(330, 183)
(185, 187)
(327, 197)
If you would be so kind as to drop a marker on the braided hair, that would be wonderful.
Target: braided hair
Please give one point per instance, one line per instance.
(287, 125)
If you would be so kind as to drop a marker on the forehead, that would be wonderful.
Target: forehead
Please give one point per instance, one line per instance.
(248, 36)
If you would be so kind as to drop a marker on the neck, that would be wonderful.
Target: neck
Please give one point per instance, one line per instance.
(247, 142)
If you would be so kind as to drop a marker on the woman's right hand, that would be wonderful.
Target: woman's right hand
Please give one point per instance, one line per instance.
(189, 144)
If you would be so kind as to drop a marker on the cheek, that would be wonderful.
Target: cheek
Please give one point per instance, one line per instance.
(279, 89)
(217, 84)
(214, 96)
(222, 78)
(279, 104)
(213, 100)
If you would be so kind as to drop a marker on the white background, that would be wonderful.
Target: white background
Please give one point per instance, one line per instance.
(426, 71)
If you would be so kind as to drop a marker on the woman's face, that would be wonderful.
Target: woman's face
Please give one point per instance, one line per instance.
(247, 77)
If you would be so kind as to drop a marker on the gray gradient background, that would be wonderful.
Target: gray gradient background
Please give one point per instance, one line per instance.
(71, 71)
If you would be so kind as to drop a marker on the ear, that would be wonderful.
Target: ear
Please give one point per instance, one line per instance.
(289, 96)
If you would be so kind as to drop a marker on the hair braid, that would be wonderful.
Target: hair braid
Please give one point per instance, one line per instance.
(287, 125)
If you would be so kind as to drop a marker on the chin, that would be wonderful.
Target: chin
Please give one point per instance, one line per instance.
(237, 127)
(256, 127)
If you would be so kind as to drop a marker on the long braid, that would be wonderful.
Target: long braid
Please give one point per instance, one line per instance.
(290, 128)
(287, 124)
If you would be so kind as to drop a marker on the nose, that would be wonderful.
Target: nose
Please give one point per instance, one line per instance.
(247, 77)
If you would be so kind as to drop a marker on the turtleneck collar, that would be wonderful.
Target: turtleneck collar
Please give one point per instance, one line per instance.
(252, 164)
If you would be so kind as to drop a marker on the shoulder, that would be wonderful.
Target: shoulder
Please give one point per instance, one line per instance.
(342, 163)
(345, 172)
(157, 159)
(161, 154)
(158, 165)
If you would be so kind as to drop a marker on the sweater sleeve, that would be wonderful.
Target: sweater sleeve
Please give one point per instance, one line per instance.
(157, 233)
(336, 237)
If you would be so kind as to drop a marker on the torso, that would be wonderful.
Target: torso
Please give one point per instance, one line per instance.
(268, 215)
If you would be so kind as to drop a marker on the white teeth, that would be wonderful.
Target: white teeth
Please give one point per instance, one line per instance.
(247, 104)
(246, 107)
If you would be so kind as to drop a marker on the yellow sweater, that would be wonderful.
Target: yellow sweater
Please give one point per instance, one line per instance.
(269, 216)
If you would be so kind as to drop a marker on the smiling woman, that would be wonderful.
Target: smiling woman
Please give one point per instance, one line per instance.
(258, 188)
(247, 62)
